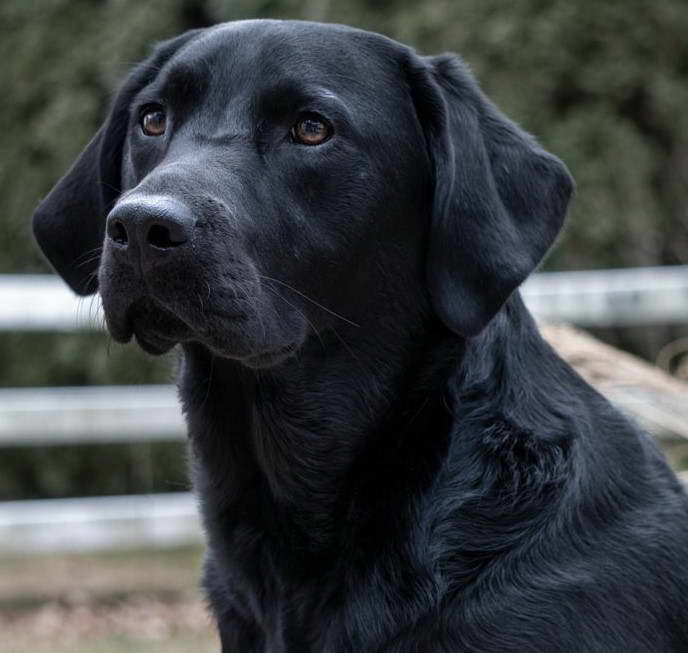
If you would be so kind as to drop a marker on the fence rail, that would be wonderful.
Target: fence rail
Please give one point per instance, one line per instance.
(631, 296)
(52, 416)
(44, 416)
(602, 298)
(98, 523)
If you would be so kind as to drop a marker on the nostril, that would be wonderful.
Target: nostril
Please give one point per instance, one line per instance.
(164, 237)
(117, 232)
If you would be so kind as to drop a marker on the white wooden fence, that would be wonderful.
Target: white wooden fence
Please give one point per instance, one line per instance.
(96, 414)
(98, 523)
(624, 297)
(45, 416)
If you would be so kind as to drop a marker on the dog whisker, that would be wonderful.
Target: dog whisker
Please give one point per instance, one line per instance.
(298, 310)
(307, 298)
(89, 256)
(111, 187)
(238, 290)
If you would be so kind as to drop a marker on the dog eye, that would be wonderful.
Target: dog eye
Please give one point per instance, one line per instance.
(153, 120)
(311, 130)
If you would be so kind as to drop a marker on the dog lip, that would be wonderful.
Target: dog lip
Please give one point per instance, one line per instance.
(146, 319)
(153, 343)
(270, 357)
(121, 331)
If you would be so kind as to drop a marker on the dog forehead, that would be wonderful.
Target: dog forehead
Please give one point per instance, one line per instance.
(261, 53)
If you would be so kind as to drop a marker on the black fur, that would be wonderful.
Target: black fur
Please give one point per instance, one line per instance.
(388, 456)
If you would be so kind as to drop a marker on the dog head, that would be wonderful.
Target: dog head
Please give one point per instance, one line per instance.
(259, 180)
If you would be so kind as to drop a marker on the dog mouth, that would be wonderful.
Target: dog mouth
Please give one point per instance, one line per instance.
(153, 343)
(155, 328)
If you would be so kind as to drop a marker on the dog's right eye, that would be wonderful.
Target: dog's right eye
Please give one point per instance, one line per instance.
(153, 120)
(311, 129)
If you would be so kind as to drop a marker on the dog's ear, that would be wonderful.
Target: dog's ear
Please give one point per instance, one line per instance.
(69, 223)
(499, 199)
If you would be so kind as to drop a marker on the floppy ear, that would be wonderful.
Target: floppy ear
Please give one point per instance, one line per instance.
(69, 224)
(499, 201)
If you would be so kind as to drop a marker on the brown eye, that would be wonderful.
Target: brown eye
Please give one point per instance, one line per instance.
(311, 130)
(153, 120)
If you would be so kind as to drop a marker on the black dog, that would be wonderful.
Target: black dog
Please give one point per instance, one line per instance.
(387, 454)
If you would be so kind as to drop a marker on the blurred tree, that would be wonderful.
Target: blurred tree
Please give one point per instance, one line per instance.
(602, 84)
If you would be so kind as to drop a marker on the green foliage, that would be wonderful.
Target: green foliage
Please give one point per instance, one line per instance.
(602, 84)
(92, 470)
(77, 359)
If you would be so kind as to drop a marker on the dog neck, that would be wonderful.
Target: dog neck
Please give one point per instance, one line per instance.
(298, 443)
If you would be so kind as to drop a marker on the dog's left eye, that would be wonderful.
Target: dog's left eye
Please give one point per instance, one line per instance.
(153, 120)
(311, 129)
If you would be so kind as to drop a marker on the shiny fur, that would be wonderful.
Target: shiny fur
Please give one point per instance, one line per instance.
(387, 455)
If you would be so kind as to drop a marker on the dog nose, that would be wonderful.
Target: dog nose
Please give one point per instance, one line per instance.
(149, 226)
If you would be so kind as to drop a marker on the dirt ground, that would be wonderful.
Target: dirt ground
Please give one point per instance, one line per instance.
(136, 602)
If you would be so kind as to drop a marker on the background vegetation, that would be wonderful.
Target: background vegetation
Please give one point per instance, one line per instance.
(603, 84)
